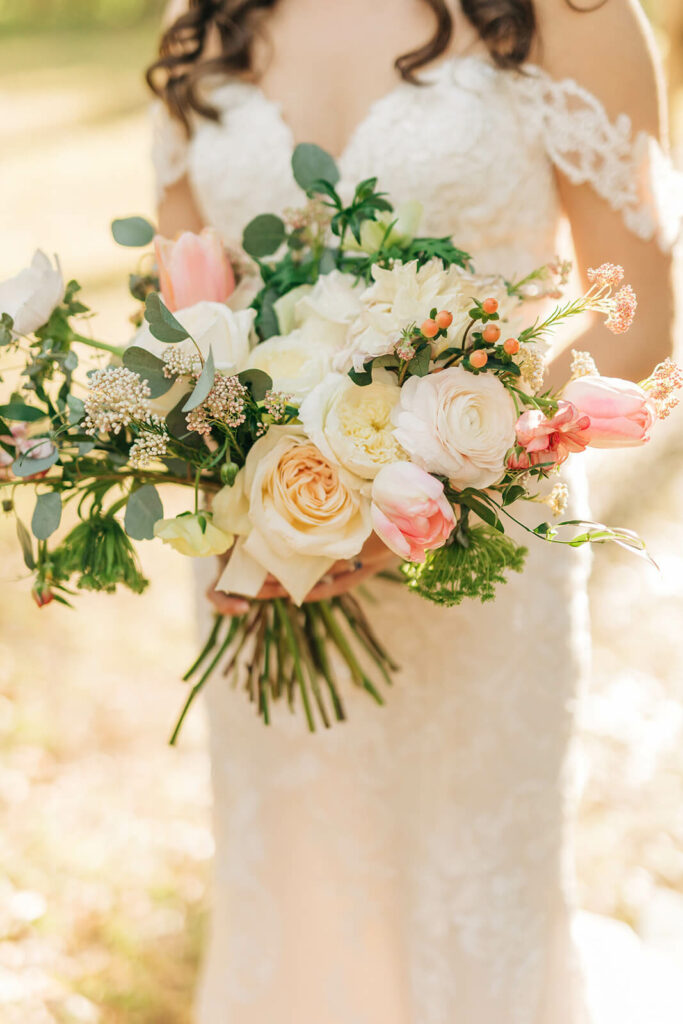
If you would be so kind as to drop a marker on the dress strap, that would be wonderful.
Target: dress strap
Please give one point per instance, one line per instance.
(629, 170)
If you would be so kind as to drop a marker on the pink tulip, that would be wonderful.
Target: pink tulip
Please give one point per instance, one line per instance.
(410, 512)
(621, 413)
(549, 441)
(192, 269)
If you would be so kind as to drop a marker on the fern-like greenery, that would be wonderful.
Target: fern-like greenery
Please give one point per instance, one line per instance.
(454, 572)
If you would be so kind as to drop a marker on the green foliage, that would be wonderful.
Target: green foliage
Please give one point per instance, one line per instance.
(26, 466)
(133, 232)
(455, 572)
(143, 510)
(99, 554)
(47, 515)
(263, 235)
(312, 165)
(162, 323)
(19, 411)
(203, 385)
(257, 381)
(149, 367)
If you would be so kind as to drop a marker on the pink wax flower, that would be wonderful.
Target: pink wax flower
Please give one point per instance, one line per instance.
(621, 413)
(410, 511)
(192, 269)
(548, 441)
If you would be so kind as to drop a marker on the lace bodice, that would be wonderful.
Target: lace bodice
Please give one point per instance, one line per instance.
(477, 145)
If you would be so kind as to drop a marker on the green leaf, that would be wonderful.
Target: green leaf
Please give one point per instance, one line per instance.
(176, 423)
(6, 325)
(134, 232)
(268, 322)
(26, 466)
(328, 261)
(162, 323)
(419, 364)
(23, 413)
(76, 409)
(311, 164)
(143, 510)
(361, 377)
(149, 367)
(512, 493)
(489, 515)
(26, 545)
(203, 385)
(47, 515)
(257, 381)
(263, 235)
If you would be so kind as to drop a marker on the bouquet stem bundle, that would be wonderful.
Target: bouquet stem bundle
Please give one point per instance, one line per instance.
(277, 650)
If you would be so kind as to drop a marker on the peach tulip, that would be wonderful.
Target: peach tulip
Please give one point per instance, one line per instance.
(547, 441)
(192, 269)
(621, 413)
(410, 512)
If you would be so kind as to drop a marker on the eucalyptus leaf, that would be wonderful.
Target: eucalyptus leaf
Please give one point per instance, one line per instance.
(22, 412)
(361, 377)
(26, 466)
(149, 367)
(176, 423)
(263, 235)
(26, 545)
(6, 325)
(328, 260)
(133, 232)
(47, 515)
(76, 409)
(143, 510)
(85, 447)
(203, 385)
(257, 381)
(162, 323)
(311, 164)
(419, 364)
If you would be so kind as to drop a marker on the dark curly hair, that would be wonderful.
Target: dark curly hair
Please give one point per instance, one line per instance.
(506, 26)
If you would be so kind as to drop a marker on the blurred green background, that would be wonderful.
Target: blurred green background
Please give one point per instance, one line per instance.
(105, 840)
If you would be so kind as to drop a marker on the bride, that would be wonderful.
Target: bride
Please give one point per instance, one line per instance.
(414, 865)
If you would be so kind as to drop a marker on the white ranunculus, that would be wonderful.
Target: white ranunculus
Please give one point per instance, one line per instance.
(213, 326)
(405, 294)
(295, 362)
(304, 513)
(193, 535)
(457, 424)
(33, 294)
(353, 425)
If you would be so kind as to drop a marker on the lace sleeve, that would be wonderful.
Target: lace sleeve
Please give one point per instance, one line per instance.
(630, 171)
(169, 148)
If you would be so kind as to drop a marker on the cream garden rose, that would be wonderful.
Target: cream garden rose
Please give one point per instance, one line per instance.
(297, 513)
(33, 294)
(213, 326)
(296, 362)
(457, 424)
(353, 425)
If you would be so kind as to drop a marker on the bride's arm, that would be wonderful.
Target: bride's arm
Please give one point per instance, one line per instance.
(611, 53)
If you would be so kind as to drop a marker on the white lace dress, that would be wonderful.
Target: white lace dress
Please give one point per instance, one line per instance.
(412, 866)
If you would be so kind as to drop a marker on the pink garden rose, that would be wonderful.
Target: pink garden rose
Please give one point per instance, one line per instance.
(621, 413)
(410, 512)
(192, 269)
(548, 441)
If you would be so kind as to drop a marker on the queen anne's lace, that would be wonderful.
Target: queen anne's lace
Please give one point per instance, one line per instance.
(411, 866)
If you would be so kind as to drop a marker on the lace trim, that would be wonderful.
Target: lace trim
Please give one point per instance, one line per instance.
(632, 173)
(170, 148)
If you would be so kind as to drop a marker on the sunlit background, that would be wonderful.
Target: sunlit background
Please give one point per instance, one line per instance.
(105, 841)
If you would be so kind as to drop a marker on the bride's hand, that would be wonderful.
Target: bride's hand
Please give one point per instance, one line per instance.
(343, 575)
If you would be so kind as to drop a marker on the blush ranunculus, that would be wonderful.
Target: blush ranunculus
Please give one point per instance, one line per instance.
(621, 413)
(410, 512)
(193, 268)
(549, 441)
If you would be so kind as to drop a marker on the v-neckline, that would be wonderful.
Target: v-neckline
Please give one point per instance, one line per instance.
(432, 74)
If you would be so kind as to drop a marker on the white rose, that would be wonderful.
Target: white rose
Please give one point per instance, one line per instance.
(33, 294)
(295, 362)
(353, 425)
(213, 326)
(457, 424)
(193, 535)
(299, 514)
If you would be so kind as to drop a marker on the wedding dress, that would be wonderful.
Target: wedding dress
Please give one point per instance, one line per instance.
(413, 865)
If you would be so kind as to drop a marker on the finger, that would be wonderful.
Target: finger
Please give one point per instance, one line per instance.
(227, 604)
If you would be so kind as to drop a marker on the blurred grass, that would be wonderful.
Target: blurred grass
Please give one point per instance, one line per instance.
(105, 843)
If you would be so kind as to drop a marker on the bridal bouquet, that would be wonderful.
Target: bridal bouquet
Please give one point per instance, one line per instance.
(340, 375)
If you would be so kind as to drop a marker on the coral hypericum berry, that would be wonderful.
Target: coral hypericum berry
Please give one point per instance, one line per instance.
(491, 333)
(429, 328)
(490, 306)
(479, 359)
(444, 319)
(511, 346)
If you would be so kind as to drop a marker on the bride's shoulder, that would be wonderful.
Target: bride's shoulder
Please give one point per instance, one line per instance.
(609, 50)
